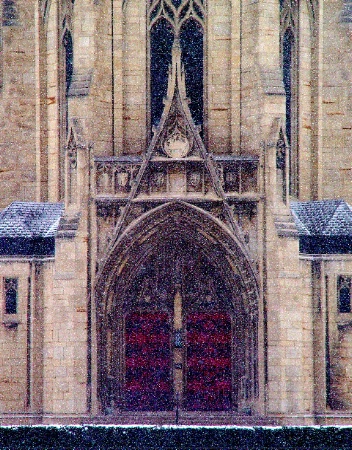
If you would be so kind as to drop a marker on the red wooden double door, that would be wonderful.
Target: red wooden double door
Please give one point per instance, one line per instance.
(151, 368)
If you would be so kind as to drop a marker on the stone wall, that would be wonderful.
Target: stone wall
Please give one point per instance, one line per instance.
(65, 330)
(335, 122)
(339, 337)
(44, 360)
(13, 340)
(18, 107)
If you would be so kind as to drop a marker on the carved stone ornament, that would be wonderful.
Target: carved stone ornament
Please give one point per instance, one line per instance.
(176, 12)
(195, 179)
(122, 179)
(72, 151)
(72, 157)
(176, 144)
(158, 179)
(280, 154)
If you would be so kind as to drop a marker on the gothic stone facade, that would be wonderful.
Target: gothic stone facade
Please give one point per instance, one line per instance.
(175, 234)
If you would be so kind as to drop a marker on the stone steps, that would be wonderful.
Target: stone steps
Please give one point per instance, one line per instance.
(184, 418)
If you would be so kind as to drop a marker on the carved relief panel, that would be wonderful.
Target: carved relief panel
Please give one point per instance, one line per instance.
(186, 177)
(115, 177)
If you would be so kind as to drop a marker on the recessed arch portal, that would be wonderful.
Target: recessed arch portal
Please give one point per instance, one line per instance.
(180, 276)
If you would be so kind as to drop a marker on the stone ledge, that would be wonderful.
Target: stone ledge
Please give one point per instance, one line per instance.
(272, 82)
(68, 227)
(80, 84)
(286, 227)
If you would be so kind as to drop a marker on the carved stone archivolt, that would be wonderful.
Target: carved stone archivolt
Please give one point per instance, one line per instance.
(198, 226)
(107, 216)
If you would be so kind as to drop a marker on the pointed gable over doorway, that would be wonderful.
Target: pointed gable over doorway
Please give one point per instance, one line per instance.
(176, 135)
(176, 167)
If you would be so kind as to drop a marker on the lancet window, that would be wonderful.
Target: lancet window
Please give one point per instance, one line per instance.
(289, 60)
(66, 61)
(183, 20)
(344, 294)
(11, 292)
(68, 47)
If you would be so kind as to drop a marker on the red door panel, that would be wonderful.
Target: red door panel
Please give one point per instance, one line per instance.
(208, 384)
(148, 383)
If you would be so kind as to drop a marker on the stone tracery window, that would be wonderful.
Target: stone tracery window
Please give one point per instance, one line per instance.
(183, 20)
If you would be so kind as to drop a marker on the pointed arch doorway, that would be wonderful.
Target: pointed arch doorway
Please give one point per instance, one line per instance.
(178, 333)
(175, 330)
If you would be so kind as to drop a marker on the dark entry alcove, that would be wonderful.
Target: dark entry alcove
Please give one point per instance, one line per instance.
(180, 334)
(175, 328)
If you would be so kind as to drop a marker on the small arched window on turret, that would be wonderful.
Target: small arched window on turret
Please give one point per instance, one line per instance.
(344, 294)
(182, 19)
(11, 295)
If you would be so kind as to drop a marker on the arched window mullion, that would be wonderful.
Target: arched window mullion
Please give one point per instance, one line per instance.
(200, 6)
(156, 19)
(190, 17)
